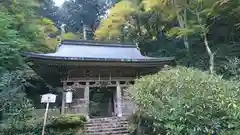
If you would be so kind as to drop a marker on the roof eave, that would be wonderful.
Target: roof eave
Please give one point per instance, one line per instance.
(77, 59)
(61, 62)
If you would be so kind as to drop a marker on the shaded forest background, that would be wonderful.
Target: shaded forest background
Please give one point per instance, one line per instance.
(182, 29)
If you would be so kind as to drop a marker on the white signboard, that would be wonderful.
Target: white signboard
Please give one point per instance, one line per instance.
(68, 97)
(48, 98)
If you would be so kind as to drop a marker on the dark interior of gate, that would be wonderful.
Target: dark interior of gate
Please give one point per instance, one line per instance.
(102, 102)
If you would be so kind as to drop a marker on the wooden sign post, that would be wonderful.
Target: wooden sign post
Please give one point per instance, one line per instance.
(47, 98)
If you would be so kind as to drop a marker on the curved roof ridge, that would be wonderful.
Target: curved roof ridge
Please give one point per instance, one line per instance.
(96, 43)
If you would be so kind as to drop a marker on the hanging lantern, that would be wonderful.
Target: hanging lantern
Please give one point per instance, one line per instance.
(69, 97)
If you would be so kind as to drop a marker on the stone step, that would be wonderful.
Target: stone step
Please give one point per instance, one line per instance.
(108, 118)
(105, 120)
(106, 133)
(109, 134)
(106, 126)
(106, 129)
(101, 128)
(106, 123)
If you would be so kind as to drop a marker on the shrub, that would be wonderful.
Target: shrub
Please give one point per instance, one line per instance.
(62, 125)
(70, 121)
(231, 69)
(16, 111)
(189, 101)
(142, 124)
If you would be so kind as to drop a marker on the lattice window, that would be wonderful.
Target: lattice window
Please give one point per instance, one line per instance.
(78, 93)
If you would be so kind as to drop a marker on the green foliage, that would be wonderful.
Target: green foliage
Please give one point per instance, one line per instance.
(16, 109)
(65, 125)
(178, 32)
(68, 121)
(73, 36)
(156, 20)
(188, 101)
(21, 30)
(11, 44)
(142, 124)
(232, 69)
(112, 26)
(48, 9)
(62, 125)
(128, 20)
(75, 13)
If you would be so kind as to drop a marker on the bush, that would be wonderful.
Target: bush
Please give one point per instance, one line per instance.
(62, 125)
(188, 101)
(142, 124)
(68, 121)
(231, 69)
(15, 109)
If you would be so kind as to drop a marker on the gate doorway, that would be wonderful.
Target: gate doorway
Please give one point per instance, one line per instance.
(102, 100)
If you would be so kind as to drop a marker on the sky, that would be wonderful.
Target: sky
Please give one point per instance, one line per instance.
(59, 2)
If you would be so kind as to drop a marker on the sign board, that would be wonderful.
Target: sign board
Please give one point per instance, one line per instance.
(68, 97)
(48, 98)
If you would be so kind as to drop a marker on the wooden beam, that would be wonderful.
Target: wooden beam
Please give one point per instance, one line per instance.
(94, 79)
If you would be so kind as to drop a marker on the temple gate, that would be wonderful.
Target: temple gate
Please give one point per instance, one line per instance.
(87, 67)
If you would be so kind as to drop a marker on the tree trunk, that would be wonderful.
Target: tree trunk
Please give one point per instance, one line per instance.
(204, 34)
(186, 43)
(183, 24)
(182, 20)
(211, 55)
(138, 26)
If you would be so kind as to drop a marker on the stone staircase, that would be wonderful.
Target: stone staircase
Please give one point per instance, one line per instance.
(106, 126)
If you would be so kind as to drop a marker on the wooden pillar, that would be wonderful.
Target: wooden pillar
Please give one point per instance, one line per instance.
(119, 100)
(86, 98)
(63, 98)
(63, 102)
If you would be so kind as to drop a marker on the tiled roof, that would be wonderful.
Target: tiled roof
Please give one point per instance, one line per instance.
(95, 51)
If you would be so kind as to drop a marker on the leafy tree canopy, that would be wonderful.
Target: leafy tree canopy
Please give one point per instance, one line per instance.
(113, 24)
(22, 30)
(75, 13)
